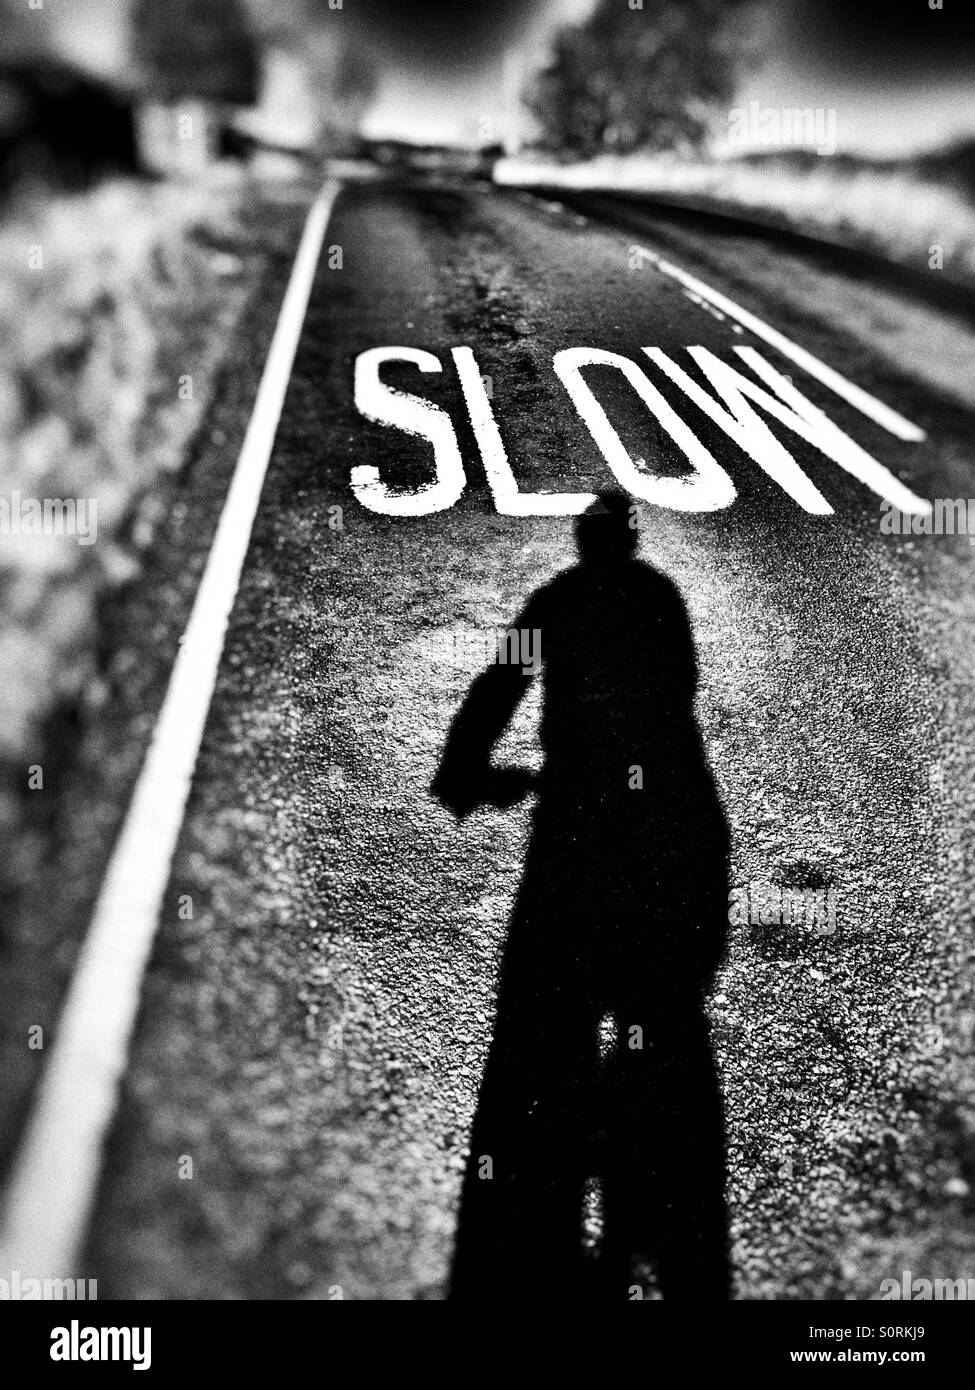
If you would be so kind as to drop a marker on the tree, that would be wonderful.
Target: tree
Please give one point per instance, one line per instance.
(636, 78)
(196, 48)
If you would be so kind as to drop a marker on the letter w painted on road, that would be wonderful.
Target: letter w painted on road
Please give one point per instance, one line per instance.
(804, 419)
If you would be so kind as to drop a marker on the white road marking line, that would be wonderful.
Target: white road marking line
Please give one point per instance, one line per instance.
(52, 1186)
(508, 500)
(707, 489)
(854, 395)
(385, 405)
(742, 424)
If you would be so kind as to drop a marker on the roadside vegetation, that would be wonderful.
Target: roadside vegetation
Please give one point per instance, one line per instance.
(115, 308)
(919, 212)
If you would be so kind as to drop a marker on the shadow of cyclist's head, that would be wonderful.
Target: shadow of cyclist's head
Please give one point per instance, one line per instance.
(606, 532)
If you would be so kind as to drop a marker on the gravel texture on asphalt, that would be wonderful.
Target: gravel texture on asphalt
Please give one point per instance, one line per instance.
(313, 1037)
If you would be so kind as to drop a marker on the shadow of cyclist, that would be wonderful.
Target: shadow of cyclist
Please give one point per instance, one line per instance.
(600, 1077)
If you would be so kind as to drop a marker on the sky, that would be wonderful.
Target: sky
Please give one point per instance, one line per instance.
(900, 76)
(475, 100)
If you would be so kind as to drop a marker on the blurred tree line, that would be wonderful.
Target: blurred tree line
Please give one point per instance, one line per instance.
(214, 48)
(189, 48)
(638, 75)
(98, 85)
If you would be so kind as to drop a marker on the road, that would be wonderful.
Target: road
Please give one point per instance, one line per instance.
(312, 1037)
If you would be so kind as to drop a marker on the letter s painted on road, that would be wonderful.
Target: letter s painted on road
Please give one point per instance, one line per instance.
(385, 405)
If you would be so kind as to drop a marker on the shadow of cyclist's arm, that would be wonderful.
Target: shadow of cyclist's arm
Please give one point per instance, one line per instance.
(465, 776)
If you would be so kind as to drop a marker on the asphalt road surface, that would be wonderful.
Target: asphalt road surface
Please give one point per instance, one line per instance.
(313, 1037)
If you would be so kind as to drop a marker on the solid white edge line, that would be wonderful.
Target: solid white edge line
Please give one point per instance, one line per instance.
(854, 395)
(51, 1189)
